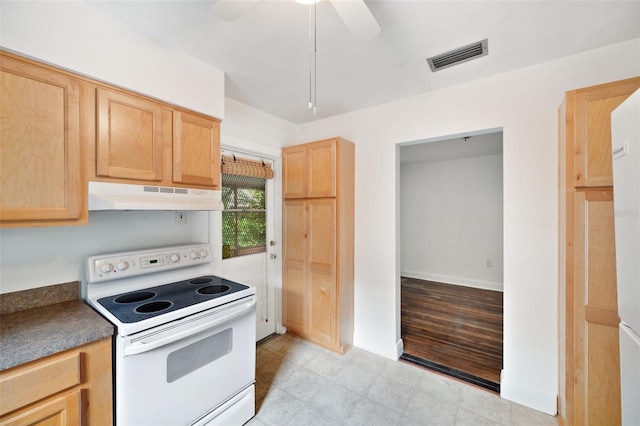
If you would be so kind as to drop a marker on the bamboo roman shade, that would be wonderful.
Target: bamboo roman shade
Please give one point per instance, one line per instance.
(232, 165)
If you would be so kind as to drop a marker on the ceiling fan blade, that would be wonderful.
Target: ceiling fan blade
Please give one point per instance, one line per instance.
(231, 10)
(357, 17)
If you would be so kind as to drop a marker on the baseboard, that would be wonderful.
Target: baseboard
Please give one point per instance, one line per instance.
(527, 395)
(447, 279)
(400, 347)
(387, 350)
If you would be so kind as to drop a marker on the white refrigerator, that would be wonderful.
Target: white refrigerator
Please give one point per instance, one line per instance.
(625, 138)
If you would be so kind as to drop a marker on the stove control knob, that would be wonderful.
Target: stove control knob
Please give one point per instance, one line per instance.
(193, 255)
(106, 267)
(174, 257)
(203, 253)
(122, 265)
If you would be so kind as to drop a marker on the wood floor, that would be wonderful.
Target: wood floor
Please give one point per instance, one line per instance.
(453, 326)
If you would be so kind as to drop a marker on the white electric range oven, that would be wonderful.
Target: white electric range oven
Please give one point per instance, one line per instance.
(185, 343)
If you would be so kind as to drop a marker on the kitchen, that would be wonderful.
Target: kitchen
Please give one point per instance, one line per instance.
(522, 101)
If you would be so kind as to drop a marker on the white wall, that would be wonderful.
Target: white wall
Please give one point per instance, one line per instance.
(451, 221)
(524, 103)
(77, 36)
(37, 257)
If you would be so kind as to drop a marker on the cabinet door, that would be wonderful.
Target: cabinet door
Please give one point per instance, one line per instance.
(322, 270)
(597, 359)
(322, 169)
(294, 269)
(196, 150)
(294, 172)
(40, 165)
(592, 118)
(129, 136)
(60, 411)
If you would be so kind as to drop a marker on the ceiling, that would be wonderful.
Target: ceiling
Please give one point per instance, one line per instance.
(452, 149)
(265, 53)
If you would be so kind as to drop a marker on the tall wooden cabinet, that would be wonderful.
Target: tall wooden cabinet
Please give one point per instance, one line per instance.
(589, 358)
(318, 188)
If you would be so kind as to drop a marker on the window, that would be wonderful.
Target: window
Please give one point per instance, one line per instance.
(244, 229)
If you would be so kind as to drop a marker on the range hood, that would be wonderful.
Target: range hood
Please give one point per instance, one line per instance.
(118, 196)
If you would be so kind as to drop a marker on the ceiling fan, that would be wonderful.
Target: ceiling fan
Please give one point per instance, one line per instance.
(354, 13)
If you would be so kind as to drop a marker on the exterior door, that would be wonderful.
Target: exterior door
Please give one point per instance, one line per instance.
(257, 269)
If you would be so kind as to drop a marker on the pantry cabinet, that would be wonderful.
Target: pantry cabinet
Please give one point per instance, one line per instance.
(73, 387)
(318, 242)
(589, 358)
(41, 166)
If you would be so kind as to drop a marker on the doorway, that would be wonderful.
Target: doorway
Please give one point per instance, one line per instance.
(451, 228)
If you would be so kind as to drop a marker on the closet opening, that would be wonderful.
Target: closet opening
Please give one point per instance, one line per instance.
(451, 261)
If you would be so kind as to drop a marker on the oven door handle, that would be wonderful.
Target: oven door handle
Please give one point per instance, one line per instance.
(146, 345)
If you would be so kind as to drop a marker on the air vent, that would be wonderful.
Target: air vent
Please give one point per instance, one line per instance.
(458, 56)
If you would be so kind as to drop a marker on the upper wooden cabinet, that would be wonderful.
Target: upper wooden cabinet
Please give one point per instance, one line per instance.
(129, 136)
(58, 130)
(196, 149)
(41, 164)
(589, 112)
(309, 170)
(143, 140)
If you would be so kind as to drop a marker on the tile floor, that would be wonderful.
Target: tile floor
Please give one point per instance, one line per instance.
(298, 383)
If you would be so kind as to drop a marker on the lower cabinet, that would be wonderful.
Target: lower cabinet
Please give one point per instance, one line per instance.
(73, 387)
(63, 410)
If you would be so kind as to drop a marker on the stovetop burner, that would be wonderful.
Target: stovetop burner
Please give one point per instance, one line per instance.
(153, 301)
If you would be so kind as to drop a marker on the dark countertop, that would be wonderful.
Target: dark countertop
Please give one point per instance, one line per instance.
(30, 334)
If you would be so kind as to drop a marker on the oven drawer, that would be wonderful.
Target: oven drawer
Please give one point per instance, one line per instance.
(186, 370)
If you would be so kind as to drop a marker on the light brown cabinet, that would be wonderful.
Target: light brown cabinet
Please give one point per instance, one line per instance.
(592, 128)
(41, 166)
(589, 359)
(318, 242)
(73, 387)
(58, 130)
(129, 136)
(309, 170)
(196, 149)
(142, 140)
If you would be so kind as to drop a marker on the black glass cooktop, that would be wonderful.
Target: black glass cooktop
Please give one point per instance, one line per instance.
(153, 301)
